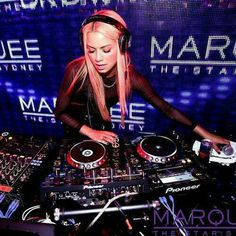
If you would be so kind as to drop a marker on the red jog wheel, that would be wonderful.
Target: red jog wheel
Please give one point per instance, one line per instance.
(87, 154)
(158, 149)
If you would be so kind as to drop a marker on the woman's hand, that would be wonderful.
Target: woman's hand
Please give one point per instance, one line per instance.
(103, 136)
(217, 140)
(213, 137)
(99, 135)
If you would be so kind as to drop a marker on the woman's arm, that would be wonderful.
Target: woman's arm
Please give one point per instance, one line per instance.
(64, 99)
(143, 87)
(140, 84)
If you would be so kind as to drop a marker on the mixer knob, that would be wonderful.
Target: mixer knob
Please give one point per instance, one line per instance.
(18, 150)
(14, 163)
(14, 157)
(7, 170)
(16, 144)
(36, 146)
(11, 178)
(3, 165)
(188, 160)
(28, 160)
(3, 176)
(21, 157)
(23, 178)
(18, 168)
(15, 172)
(22, 163)
(57, 163)
(30, 145)
(7, 158)
(1, 156)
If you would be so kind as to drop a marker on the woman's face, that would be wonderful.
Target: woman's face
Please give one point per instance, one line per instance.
(102, 52)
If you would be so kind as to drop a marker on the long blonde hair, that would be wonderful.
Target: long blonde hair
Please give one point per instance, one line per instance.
(123, 60)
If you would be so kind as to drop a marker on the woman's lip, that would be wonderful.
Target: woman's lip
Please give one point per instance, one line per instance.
(100, 65)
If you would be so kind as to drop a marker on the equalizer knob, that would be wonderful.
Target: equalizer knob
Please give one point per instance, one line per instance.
(3, 165)
(14, 163)
(3, 177)
(1, 157)
(18, 150)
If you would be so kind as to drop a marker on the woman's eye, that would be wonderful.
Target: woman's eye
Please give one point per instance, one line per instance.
(107, 50)
(91, 51)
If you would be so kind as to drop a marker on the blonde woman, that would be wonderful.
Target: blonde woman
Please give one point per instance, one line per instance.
(104, 76)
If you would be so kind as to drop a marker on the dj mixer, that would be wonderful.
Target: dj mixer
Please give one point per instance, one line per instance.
(22, 161)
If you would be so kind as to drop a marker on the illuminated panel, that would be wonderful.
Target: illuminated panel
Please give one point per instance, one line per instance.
(186, 51)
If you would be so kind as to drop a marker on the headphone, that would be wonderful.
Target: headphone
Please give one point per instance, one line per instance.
(124, 39)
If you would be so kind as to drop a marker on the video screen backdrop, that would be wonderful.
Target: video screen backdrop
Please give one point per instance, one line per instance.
(186, 49)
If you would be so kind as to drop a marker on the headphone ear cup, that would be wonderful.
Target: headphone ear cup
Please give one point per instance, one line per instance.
(123, 43)
(81, 39)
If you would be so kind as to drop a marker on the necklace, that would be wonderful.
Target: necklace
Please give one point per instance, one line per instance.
(109, 86)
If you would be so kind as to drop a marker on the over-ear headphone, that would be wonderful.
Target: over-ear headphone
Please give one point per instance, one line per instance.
(124, 39)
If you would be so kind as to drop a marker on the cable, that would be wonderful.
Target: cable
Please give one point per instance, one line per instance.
(127, 222)
(28, 211)
(35, 218)
(12, 208)
(1, 214)
(177, 221)
(2, 196)
(119, 208)
(106, 206)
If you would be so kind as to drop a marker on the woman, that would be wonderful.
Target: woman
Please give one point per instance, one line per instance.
(104, 76)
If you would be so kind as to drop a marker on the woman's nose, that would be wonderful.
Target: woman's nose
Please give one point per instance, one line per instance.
(98, 56)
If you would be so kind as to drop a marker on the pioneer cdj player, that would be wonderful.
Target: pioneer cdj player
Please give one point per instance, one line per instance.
(90, 173)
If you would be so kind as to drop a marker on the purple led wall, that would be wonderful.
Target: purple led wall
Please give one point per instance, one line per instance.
(186, 49)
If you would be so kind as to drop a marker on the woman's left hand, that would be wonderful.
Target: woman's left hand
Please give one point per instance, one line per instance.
(216, 139)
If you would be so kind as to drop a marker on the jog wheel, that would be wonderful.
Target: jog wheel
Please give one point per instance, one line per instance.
(88, 155)
(158, 149)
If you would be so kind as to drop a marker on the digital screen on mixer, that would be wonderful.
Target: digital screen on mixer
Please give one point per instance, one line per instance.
(186, 50)
(181, 177)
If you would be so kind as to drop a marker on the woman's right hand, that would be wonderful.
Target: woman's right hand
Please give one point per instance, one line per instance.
(99, 135)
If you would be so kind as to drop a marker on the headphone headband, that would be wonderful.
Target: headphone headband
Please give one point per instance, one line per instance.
(108, 20)
(125, 38)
